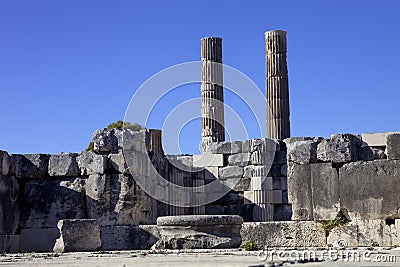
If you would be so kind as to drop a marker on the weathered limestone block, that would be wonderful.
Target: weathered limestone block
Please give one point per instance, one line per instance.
(238, 183)
(91, 163)
(393, 145)
(116, 199)
(340, 148)
(231, 172)
(370, 189)
(284, 234)
(299, 192)
(302, 152)
(373, 233)
(325, 191)
(225, 147)
(208, 159)
(5, 163)
(128, 237)
(240, 159)
(9, 205)
(38, 240)
(30, 165)
(45, 202)
(63, 164)
(199, 231)
(117, 163)
(107, 140)
(78, 235)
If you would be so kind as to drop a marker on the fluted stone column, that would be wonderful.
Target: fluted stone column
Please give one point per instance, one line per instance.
(277, 86)
(212, 97)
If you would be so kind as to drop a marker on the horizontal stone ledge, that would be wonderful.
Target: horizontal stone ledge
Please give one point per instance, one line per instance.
(199, 220)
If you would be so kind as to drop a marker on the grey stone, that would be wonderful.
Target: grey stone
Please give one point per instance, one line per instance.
(91, 163)
(284, 234)
(45, 202)
(5, 163)
(345, 235)
(325, 191)
(199, 231)
(226, 147)
(116, 199)
(393, 145)
(240, 159)
(339, 148)
(302, 152)
(9, 243)
(246, 146)
(291, 140)
(280, 157)
(299, 192)
(9, 205)
(38, 240)
(237, 184)
(283, 170)
(63, 165)
(282, 212)
(231, 172)
(107, 140)
(128, 237)
(255, 171)
(370, 189)
(77, 235)
(374, 139)
(30, 165)
(117, 163)
(367, 153)
(208, 159)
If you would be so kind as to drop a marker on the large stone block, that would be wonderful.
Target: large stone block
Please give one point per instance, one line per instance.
(302, 152)
(325, 191)
(199, 231)
(128, 237)
(282, 212)
(370, 189)
(63, 164)
(107, 140)
(116, 199)
(208, 160)
(77, 235)
(367, 153)
(231, 172)
(374, 139)
(9, 205)
(117, 163)
(226, 147)
(9, 243)
(38, 240)
(30, 165)
(45, 202)
(5, 163)
(393, 145)
(299, 191)
(339, 148)
(240, 159)
(284, 234)
(91, 163)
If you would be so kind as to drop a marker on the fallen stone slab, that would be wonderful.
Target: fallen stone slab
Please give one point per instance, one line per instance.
(199, 231)
(78, 235)
(128, 237)
(284, 234)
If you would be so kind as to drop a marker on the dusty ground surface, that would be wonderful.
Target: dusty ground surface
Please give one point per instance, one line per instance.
(193, 258)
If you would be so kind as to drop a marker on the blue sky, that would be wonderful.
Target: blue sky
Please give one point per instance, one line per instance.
(70, 67)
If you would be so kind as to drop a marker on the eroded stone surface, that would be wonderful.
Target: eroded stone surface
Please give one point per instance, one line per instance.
(284, 234)
(5, 163)
(393, 145)
(63, 165)
(300, 192)
(9, 205)
(302, 152)
(91, 163)
(30, 165)
(77, 235)
(199, 231)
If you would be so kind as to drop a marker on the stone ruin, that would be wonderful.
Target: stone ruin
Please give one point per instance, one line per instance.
(282, 191)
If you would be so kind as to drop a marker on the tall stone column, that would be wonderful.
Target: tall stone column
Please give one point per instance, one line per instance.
(212, 97)
(277, 86)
